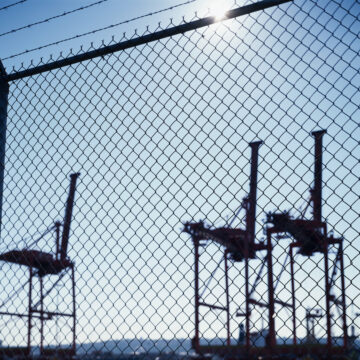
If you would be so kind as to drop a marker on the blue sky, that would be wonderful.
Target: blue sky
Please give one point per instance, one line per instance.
(99, 16)
(160, 134)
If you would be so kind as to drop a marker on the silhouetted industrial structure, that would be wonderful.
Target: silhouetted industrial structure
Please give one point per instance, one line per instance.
(309, 236)
(239, 245)
(41, 264)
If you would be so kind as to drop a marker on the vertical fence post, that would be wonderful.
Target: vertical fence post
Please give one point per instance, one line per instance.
(4, 91)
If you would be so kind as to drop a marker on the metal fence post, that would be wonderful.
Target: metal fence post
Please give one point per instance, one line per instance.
(4, 91)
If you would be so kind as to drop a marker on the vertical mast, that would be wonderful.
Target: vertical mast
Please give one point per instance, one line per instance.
(68, 215)
(251, 206)
(317, 190)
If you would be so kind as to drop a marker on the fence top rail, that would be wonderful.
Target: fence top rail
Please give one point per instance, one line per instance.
(180, 29)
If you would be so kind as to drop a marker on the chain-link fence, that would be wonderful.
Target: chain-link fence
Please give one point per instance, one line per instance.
(160, 134)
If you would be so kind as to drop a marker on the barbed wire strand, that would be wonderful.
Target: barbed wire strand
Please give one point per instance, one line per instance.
(65, 13)
(11, 5)
(98, 30)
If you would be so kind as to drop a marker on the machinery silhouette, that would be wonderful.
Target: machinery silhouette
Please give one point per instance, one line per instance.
(309, 236)
(239, 246)
(41, 264)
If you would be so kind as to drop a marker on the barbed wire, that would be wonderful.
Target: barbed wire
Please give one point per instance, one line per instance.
(52, 18)
(11, 5)
(98, 30)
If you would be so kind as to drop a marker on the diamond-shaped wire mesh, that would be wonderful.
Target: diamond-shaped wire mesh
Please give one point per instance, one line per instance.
(160, 134)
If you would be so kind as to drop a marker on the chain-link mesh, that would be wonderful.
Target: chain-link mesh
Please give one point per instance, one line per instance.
(160, 134)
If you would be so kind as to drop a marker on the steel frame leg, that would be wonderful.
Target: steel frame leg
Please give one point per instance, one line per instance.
(197, 300)
(74, 309)
(327, 290)
(343, 298)
(41, 317)
(292, 274)
(272, 335)
(227, 299)
(30, 313)
(247, 305)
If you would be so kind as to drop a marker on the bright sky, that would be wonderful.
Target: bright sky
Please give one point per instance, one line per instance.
(106, 13)
(160, 135)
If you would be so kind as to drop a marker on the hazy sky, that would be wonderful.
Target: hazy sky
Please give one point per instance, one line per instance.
(160, 135)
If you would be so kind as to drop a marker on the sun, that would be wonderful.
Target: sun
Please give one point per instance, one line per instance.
(218, 10)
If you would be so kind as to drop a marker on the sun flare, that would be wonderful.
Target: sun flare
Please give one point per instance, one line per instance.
(218, 10)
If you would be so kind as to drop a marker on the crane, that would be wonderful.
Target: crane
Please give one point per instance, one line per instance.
(48, 263)
(40, 264)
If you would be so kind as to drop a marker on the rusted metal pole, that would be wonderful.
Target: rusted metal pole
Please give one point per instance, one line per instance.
(68, 215)
(292, 275)
(317, 190)
(247, 294)
(272, 334)
(41, 317)
(4, 92)
(251, 215)
(247, 304)
(30, 313)
(250, 231)
(57, 235)
(197, 299)
(74, 309)
(227, 299)
(327, 291)
(343, 298)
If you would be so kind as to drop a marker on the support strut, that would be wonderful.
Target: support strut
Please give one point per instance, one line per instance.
(292, 274)
(30, 312)
(343, 298)
(196, 341)
(272, 334)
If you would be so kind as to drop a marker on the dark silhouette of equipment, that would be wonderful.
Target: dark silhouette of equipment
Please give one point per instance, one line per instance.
(241, 339)
(309, 237)
(238, 244)
(312, 317)
(41, 264)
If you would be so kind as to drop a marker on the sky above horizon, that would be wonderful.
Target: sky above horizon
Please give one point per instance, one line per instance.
(160, 135)
(105, 14)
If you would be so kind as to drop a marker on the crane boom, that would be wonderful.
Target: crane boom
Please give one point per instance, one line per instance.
(68, 216)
